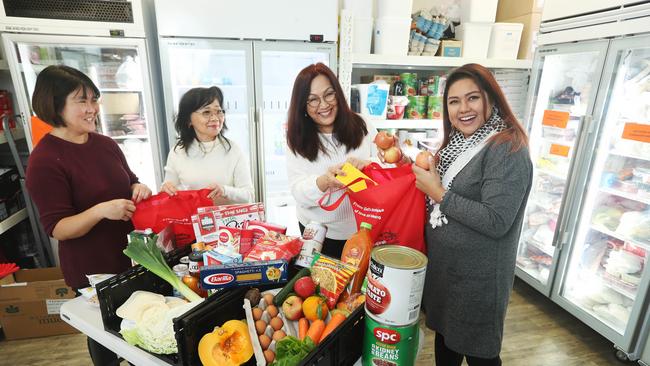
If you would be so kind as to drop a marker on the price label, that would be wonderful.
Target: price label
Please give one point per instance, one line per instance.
(560, 150)
(636, 132)
(557, 119)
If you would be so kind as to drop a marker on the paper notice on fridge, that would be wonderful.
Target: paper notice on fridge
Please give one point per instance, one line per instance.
(636, 132)
(559, 150)
(557, 119)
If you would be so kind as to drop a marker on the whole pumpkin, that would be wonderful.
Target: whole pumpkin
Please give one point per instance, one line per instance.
(228, 345)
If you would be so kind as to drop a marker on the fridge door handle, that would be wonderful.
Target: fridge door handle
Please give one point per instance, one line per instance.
(588, 120)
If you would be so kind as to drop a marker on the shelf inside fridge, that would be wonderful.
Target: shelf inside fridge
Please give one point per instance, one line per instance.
(629, 155)
(556, 175)
(604, 230)
(626, 289)
(627, 195)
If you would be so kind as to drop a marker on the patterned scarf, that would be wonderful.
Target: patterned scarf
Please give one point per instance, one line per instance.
(458, 144)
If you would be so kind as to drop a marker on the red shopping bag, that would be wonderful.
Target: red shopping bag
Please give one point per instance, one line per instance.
(394, 207)
(161, 210)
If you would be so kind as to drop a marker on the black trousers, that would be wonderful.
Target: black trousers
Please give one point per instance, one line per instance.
(100, 355)
(447, 357)
(331, 248)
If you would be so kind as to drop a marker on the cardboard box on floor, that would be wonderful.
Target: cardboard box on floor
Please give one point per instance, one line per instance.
(531, 22)
(30, 306)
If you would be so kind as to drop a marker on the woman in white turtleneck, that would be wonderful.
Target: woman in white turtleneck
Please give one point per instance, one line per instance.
(203, 157)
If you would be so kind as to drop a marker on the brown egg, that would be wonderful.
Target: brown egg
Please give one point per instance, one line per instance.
(276, 323)
(272, 310)
(268, 299)
(265, 341)
(269, 356)
(279, 334)
(257, 313)
(260, 326)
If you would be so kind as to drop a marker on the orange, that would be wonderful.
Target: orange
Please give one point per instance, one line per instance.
(315, 307)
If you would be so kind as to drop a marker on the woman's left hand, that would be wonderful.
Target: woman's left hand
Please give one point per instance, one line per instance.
(217, 191)
(140, 192)
(429, 182)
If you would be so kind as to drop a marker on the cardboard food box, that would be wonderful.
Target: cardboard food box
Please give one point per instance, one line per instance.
(30, 307)
(508, 9)
(450, 48)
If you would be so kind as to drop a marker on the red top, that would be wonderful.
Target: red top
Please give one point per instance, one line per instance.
(65, 179)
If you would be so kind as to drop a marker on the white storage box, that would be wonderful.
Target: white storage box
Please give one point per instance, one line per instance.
(394, 8)
(373, 99)
(391, 36)
(478, 10)
(475, 37)
(358, 8)
(361, 35)
(504, 40)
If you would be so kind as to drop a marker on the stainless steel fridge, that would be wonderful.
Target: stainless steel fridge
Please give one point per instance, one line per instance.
(108, 45)
(561, 96)
(256, 75)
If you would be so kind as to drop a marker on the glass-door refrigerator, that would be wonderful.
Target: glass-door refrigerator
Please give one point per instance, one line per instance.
(602, 275)
(118, 66)
(256, 78)
(562, 92)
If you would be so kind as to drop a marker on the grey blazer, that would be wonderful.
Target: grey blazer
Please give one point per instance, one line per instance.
(472, 258)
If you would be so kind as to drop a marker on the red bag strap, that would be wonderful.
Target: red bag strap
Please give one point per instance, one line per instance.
(338, 202)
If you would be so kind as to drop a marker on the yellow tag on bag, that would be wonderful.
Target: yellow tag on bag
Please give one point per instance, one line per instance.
(351, 174)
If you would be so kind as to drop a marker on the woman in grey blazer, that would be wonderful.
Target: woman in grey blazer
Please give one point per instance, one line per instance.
(477, 190)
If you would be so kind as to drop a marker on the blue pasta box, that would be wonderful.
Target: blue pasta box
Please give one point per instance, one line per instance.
(244, 274)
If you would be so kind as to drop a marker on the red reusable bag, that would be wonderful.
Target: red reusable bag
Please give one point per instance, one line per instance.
(161, 210)
(394, 207)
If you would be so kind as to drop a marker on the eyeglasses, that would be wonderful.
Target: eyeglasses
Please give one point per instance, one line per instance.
(207, 113)
(314, 100)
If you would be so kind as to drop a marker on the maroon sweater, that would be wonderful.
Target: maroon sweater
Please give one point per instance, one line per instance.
(65, 179)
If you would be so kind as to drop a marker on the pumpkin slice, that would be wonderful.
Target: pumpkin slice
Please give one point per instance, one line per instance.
(228, 345)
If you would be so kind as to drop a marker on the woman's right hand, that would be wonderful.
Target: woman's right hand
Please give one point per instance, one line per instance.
(119, 209)
(328, 180)
(169, 188)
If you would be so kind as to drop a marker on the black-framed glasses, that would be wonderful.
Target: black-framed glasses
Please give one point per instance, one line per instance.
(208, 113)
(314, 100)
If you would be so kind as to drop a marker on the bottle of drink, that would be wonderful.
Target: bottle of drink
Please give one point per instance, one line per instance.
(398, 87)
(356, 252)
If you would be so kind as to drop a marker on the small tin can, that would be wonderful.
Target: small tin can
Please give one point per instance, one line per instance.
(184, 260)
(312, 241)
(384, 344)
(180, 270)
(417, 107)
(395, 284)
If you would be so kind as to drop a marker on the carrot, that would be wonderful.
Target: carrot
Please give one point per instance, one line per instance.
(303, 325)
(316, 330)
(337, 319)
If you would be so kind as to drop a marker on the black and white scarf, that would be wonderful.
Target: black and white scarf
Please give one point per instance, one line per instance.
(458, 152)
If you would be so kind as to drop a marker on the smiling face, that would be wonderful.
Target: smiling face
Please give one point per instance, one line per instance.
(322, 104)
(80, 111)
(207, 121)
(466, 105)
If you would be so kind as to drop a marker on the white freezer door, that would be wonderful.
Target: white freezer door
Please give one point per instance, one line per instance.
(119, 69)
(276, 66)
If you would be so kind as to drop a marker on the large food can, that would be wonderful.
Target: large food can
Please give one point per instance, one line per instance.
(312, 241)
(434, 107)
(395, 284)
(410, 80)
(417, 107)
(389, 345)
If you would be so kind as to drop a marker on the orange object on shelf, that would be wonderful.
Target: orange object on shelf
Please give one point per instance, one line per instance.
(558, 119)
(356, 252)
(39, 130)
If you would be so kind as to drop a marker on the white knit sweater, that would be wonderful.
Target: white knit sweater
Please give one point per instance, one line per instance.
(212, 164)
(303, 173)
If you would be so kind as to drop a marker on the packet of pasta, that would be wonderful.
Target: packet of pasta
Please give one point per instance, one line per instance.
(332, 276)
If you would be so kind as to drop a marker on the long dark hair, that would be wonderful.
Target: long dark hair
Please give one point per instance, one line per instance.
(193, 100)
(515, 133)
(302, 132)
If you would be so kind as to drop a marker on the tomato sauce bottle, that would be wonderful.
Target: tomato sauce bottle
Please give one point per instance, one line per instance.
(356, 252)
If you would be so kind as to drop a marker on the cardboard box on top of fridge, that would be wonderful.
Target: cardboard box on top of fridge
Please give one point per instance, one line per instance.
(30, 306)
(509, 9)
(528, 43)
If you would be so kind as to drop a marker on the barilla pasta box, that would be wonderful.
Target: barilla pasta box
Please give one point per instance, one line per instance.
(244, 274)
(216, 257)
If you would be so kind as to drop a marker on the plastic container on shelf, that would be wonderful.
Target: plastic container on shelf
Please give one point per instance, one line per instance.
(476, 38)
(478, 10)
(373, 99)
(391, 36)
(394, 8)
(504, 40)
(361, 35)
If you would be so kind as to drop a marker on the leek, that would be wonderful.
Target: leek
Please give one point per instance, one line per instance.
(149, 256)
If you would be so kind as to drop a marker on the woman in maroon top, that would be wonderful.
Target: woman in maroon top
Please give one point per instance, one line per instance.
(80, 181)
